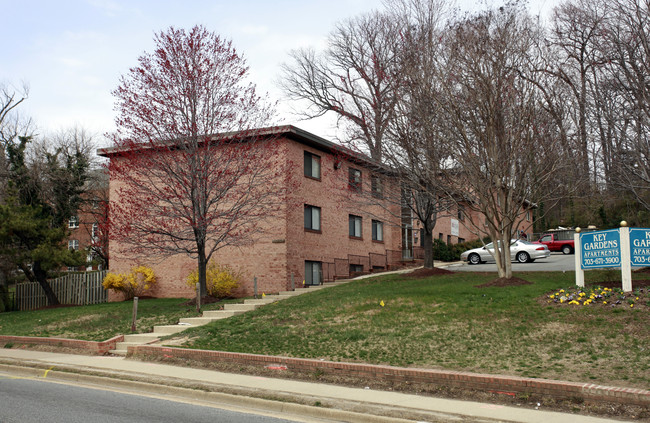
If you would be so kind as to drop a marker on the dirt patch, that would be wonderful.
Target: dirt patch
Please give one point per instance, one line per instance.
(57, 306)
(425, 273)
(504, 282)
(81, 319)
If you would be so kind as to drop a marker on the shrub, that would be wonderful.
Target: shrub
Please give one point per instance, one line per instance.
(442, 251)
(221, 280)
(133, 284)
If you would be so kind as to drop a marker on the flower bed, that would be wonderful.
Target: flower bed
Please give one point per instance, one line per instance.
(602, 295)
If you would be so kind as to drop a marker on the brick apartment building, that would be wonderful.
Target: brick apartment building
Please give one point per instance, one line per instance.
(87, 228)
(344, 224)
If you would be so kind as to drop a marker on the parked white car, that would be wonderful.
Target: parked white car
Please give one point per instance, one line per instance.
(521, 251)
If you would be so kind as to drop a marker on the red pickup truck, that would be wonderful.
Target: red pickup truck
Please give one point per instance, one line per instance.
(558, 241)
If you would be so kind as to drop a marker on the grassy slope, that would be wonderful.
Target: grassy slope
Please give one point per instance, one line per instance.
(446, 322)
(96, 322)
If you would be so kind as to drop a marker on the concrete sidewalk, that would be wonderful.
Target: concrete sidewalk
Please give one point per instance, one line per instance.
(282, 396)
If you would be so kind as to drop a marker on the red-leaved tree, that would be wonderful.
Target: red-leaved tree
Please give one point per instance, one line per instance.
(193, 175)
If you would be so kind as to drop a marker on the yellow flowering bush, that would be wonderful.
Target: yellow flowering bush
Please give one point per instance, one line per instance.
(133, 284)
(221, 280)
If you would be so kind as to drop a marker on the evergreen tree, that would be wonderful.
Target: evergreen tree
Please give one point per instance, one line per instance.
(41, 197)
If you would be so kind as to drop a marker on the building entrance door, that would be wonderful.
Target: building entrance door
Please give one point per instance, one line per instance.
(407, 242)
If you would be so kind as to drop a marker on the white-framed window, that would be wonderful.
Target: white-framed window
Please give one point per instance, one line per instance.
(312, 218)
(355, 224)
(73, 222)
(312, 165)
(313, 272)
(377, 230)
(73, 244)
(95, 231)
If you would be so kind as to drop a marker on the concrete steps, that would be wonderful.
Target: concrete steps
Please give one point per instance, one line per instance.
(169, 329)
(221, 314)
(262, 301)
(208, 316)
(241, 307)
(197, 321)
(134, 339)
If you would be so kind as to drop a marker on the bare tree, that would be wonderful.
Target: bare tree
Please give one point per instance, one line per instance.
(626, 45)
(576, 28)
(416, 150)
(355, 78)
(11, 125)
(187, 159)
(10, 99)
(499, 135)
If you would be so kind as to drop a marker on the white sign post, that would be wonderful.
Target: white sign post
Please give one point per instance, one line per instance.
(626, 259)
(580, 274)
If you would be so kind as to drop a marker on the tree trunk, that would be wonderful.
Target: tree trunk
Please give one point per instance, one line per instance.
(427, 243)
(203, 264)
(41, 278)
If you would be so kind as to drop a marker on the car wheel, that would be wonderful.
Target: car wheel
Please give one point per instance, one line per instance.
(567, 249)
(474, 259)
(522, 257)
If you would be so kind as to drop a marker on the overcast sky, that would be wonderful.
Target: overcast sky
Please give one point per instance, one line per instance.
(71, 53)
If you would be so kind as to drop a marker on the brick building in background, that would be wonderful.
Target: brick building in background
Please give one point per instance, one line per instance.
(88, 229)
(338, 221)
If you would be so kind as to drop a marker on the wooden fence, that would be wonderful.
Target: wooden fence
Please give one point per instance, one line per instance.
(73, 288)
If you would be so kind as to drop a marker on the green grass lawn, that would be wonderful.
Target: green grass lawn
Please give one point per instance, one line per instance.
(97, 322)
(447, 322)
(443, 322)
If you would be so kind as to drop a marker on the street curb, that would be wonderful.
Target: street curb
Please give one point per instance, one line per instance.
(218, 395)
(456, 379)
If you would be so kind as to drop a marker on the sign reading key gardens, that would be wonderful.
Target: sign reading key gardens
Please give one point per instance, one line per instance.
(600, 249)
(612, 248)
(640, 246)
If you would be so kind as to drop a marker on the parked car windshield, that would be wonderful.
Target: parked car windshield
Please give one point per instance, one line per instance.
(490, 245)
(525, 242)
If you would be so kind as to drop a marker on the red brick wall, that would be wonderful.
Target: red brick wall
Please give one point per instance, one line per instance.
(337, 203)
(99, 348)
(464, 380)
(283, 245)
(264, 258)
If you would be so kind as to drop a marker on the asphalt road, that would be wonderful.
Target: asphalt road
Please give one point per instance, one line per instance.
(556, 262)
(37, 401)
